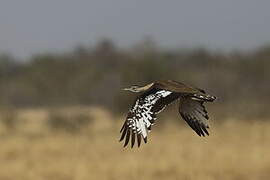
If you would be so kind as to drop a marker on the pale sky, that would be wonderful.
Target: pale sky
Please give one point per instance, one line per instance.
(33, 26)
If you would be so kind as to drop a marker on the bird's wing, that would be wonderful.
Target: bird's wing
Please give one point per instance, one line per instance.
(162, 102)
(143, 114)
(194, 113)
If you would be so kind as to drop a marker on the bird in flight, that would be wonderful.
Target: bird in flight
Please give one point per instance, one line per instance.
(153, 98)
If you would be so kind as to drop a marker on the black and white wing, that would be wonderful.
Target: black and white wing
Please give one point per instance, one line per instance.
(143, 115)
(194, 113)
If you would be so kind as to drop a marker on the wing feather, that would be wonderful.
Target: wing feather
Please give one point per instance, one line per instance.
(127, 138)
(123, 133)
(133, 140)
(194, 113)
(139, 138)
(142, 115)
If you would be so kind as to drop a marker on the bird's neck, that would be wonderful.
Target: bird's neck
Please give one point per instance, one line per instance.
(144, 88)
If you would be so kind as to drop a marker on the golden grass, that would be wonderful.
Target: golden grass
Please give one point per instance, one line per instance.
(234, 150)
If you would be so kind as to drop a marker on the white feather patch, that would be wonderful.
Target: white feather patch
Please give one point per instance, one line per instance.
(142, 114)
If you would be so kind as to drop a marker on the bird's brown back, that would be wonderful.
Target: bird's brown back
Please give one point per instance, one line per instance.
(175, 86)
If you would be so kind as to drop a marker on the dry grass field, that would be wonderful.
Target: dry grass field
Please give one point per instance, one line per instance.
(30, 150)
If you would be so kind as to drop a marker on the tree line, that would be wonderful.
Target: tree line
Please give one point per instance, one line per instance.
(95, 76)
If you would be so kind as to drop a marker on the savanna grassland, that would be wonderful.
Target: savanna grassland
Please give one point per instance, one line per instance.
(35, 147)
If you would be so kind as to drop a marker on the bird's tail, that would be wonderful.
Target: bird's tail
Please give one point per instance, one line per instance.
(205, 97)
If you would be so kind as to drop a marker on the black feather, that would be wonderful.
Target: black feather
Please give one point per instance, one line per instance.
(123, 127)
(127, 138)
(123, 133)
(198, 127)
(139, 138)
(145, 140)
(204, 129)
(132, 139)
(191, 124)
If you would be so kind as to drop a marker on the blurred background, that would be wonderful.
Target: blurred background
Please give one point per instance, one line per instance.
(63, 65)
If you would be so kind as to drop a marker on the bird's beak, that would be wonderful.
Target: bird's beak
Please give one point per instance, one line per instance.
(125, 89)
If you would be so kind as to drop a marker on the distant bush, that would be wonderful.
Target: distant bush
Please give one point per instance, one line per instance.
(72, 124)
(9, 118)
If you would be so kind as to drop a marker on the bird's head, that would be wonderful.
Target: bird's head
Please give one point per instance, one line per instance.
(132, 88)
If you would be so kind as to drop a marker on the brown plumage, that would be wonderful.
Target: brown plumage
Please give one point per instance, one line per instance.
(154, 98)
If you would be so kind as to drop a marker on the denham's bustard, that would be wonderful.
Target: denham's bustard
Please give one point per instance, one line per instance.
(154, 98)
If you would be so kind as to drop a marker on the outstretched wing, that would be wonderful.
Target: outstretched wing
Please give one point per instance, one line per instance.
(194, 113)
(143, 115)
